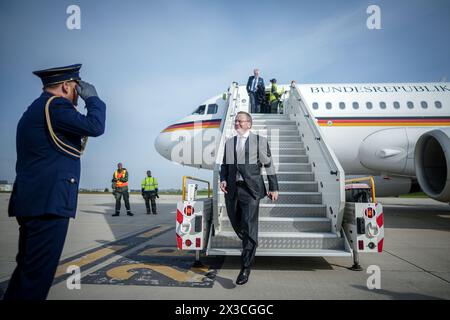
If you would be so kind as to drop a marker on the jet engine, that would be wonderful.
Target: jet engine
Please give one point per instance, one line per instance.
(432, 163)
(415, 153)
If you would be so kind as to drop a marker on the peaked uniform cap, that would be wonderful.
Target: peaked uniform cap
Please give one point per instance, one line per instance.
(58, 75)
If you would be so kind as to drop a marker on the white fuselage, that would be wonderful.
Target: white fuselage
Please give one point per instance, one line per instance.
(372, 128)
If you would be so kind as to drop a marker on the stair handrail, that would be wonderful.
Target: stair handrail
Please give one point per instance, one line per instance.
(183, 188)
(227, 125)
(329, 174)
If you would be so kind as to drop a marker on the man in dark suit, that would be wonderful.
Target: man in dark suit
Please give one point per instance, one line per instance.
(50, 140)
(243, 186)
(256, 91)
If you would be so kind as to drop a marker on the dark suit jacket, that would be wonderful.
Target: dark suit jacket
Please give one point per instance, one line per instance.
(250, 170)
(260, 87)
(47, 179)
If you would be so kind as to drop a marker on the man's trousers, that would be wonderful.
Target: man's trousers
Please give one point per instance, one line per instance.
(150, 197)
(243, 212)
(255, 104)
(126, 198)
(41, 241)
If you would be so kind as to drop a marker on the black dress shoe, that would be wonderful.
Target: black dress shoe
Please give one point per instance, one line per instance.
(130, 214)
(243, 276)
(116, 214)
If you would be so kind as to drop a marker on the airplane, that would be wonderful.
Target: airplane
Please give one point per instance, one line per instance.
(397, 132)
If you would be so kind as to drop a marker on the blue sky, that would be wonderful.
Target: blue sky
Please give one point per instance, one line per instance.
(153, 62)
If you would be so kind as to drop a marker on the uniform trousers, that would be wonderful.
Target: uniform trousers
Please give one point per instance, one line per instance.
(41, 241)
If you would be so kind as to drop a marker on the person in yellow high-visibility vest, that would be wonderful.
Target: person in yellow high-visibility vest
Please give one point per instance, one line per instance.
(120, 188)
(274, 97)
(149, 188)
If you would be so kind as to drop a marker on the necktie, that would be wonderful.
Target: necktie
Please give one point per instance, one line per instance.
(255, 80)
(241, 144)
(241, 150)
(240, 155)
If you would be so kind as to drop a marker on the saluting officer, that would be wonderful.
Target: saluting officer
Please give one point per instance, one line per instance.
(51, 136)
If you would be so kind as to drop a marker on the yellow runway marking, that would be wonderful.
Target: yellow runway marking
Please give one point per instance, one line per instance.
(158, 229)
(204, 269)
(164, 251)
(87, 259)
(125, 272)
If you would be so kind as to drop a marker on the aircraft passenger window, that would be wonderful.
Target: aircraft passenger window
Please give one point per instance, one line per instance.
(342, 105)
(396, 105)
(410, 104)
(315, 105)
(424, 104)
(438, 104)
(383, 105)
(369, 105)
(200, 110)
(328, 105)
(212, 108)
(355, 105)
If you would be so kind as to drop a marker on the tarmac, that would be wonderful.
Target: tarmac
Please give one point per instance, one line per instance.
(136, 258)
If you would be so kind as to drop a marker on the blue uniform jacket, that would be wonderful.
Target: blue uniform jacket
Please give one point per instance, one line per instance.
(47, 179)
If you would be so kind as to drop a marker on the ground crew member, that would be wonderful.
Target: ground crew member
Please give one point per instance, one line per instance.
(150, 191)
(274, 98)
(120, 189)
(49, 144)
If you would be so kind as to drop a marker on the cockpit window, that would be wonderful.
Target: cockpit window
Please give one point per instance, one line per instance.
(200, 110)
(212, 108)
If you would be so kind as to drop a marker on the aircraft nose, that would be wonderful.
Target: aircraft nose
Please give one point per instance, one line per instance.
(162, 144)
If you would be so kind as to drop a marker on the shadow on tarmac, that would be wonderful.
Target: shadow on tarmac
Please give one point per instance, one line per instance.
(391, 295)
(281, 263)
(417, 217)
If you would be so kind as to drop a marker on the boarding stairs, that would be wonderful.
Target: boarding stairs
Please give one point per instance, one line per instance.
(307, 218)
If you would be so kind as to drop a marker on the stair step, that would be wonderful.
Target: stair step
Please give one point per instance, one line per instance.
(268, 127)
(288, 151)
(280, 139)
(296, 197)
(275, 117)
(298, 186)
(286, 167)
(282, 252)
(285, 240)
(272, 119)
(286, 145)
(278, 131)
(282, 158)
(279, 124)
(273, 224)
(268, 134)
(293, 176)
(290, 210)
(291, 198)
